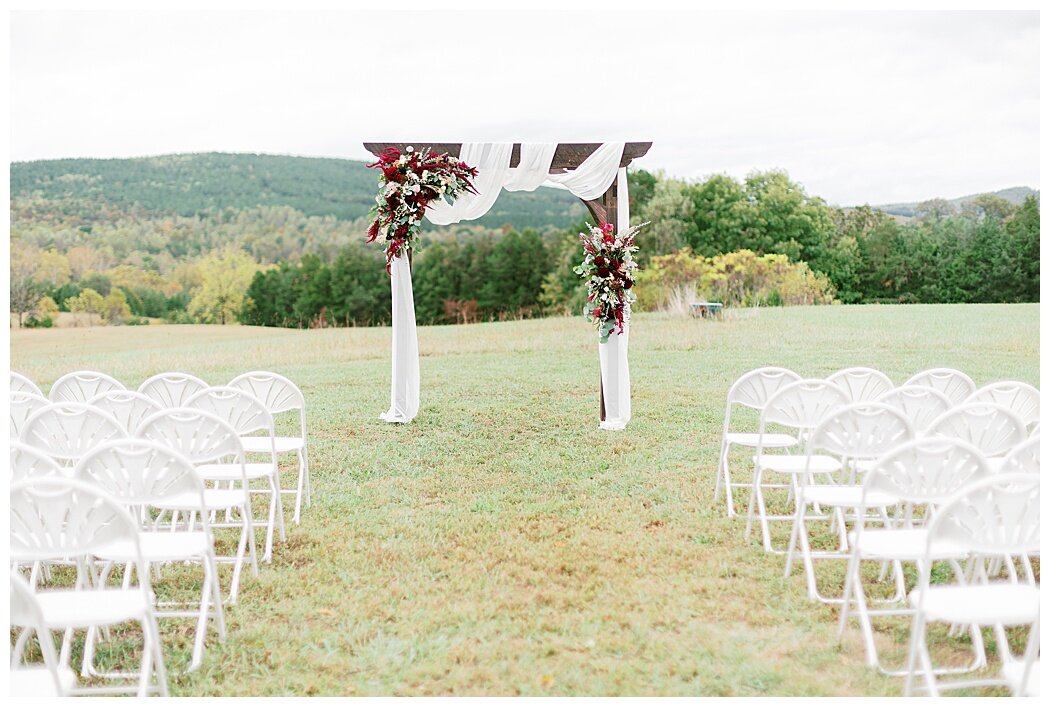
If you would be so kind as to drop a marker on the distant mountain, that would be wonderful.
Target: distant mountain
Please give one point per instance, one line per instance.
(1015, 195)
(192, 184)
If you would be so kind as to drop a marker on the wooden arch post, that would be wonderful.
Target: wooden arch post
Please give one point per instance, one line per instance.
(567, 157)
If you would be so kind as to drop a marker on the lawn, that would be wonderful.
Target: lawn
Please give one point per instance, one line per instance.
(502, 543)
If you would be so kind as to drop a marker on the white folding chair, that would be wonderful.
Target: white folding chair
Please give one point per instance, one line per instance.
(956, 385)
(800, 405)
(47, 679)
(922, 405)
(1020, 398)
(148, 477)
(55, 519)
(21, 384)
(81, 386)
(68, 431)
(280, 395)
(918, 475)
(203, 438)
(172, 389)
(992, 428)
(24, 404)
(858, 431)
(246, 415)
(994, 517)
(127, 406)
(751, 390)
(862, 384)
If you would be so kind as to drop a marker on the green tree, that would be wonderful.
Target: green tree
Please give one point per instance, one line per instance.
(225, 277)
(115, 309)
(87, 302)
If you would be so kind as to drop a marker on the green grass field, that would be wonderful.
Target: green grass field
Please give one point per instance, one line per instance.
(502, 543)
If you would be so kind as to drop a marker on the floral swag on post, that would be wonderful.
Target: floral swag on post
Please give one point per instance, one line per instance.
(608, 266)
(409, 182)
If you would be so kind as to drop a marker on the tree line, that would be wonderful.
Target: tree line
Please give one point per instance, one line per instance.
(714, 238)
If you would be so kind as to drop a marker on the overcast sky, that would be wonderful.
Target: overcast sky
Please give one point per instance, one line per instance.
(859, 107)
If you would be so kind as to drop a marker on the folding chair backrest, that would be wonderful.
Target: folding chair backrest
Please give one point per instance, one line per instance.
(1022, 459)
(24, 404)
(21, 384)
(244, 412)
(172, 389)
(997, 515)
(68, 431)
(81, 386)
(862, 384)
(54, 519)
(920, 404)
(803, 404)
(140, 472)
(991, 428)
(130, 408)
(861, 431)
(32, 463)
(1021, 398)
(956, 385)
(926, 470)
(754, 388)
(198, 435)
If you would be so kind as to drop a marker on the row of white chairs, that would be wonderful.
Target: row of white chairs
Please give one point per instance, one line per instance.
(154, 462)
(952, 387)
(169, 390)
(889, 470)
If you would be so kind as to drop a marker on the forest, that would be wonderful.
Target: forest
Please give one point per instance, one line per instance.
(278, 241)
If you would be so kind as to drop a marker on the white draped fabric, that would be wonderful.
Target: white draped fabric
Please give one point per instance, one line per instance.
(612, 355)
(404, 364)
(589, 180)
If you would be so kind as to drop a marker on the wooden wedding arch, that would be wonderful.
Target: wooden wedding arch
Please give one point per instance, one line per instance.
(567, 157)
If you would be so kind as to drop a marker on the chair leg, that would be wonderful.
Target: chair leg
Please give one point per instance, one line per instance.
(159, 670)
(299, 489)
(306, 471)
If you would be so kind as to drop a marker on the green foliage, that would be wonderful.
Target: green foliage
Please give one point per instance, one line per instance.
(741, 278)
(224, 278)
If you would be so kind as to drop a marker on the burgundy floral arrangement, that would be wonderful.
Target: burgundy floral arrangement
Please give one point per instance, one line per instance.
(608, 266)
(410, 181)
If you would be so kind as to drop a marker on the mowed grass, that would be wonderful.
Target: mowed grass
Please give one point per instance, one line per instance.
(502, 543)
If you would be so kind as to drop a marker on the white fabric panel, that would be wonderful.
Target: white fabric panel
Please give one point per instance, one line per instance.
(404, 365)
(612, 355)
(534, 166)
(492, 161)
(595, 174)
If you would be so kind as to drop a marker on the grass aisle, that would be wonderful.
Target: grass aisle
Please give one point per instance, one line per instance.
(502, 543)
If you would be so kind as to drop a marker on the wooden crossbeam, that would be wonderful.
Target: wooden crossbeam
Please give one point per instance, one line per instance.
(567, 156)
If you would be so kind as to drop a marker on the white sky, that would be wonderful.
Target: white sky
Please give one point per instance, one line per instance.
(858, 106)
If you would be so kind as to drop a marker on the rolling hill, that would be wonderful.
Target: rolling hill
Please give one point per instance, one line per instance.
(192, 184)
(1015, 195)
